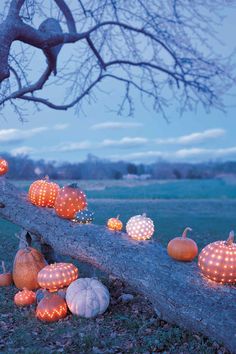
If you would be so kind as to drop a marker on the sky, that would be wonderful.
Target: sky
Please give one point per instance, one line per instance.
(146, 137)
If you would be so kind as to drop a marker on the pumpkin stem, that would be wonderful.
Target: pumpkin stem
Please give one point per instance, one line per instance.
(144, 215)
(184, 234)
(230, 239)
(73, 185)
(118, 216)
(22, 238)
(3, 267)
(46, 178)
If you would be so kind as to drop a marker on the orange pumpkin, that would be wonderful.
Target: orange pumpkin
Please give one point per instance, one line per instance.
(51, 308)
(5, 278)
(114, 224)
(217, 261)
(57, 275)
(43, 193)
(182, 248)
(25, 297)
(3, 167)
(28, 262)
(69, 201)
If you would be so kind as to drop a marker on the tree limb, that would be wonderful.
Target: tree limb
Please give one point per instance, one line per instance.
(68, 15)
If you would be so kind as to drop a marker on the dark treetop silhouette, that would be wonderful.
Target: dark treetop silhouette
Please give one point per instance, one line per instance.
(161, 49)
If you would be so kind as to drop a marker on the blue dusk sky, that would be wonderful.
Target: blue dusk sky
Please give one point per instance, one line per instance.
(146, 137)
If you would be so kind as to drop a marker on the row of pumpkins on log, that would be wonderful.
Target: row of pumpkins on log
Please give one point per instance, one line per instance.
(59, 287)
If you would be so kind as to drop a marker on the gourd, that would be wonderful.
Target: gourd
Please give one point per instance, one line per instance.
(183, 248)
(87, 297)
(84, 216)
(3, 167)
(25, 297)
(5, 277)
(140, 227)
(114, 224)
(43, 193)
(51, 308)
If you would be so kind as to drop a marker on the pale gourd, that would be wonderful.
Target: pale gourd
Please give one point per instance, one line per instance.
(87, 297)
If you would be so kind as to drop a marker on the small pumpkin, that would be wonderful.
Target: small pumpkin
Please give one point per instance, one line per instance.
(57, 275)
(3, 167)
(87, 297)
(183, 248)
(43, 192)
(84, 216)
(69, 201)
(217, 261)
(25, 297)
(28, 262)
(51, 308)
(140, 227)
(5, 277)
(114, 224)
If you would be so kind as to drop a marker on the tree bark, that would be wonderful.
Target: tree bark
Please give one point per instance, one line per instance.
(178, 292)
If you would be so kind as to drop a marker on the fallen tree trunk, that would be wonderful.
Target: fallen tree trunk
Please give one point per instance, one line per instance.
(178, 292)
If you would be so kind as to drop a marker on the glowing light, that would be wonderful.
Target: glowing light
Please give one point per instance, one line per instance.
(57, 275)
(43, 193)
(114, 224)
(139, 227)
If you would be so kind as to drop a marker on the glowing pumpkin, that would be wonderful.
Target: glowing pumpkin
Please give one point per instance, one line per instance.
(217, 261)
(51, 308)
(25, 297)
(114, 224)
(5, 278)
(87, 297)
(140, 227)
(84, 217)
(57, 275)
(43, 193)
(3, 167)
(28, 262)
(69, 201)
(183, 248)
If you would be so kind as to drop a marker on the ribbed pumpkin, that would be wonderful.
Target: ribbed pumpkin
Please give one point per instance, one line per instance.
(43, 192)
(51, 308)
(5, 277)
(28, 262)
(57, 275)
(69, 201)
(25, 297)
(3, 167)
(114, 224)
(183, 248)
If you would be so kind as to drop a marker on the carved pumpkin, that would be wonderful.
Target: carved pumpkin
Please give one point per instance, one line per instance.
(5, 278)
(51, 308)
(183, 248)
(3, 167)
(87, 297)
(24, 298)
(140, 227)
(41, 293)
(69, 201)
(114, 224)
(43, 193)
(57, 275)
(217, 261)
(28, 262)
(84, 217)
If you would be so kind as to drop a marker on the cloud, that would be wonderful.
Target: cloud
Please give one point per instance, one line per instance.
(67, 147)
(60, 126)
(23, 150)
(16, 135)
(124, 142)
(116, 125)
(197, 137)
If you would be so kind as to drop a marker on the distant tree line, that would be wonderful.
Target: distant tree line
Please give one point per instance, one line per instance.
(23, 168)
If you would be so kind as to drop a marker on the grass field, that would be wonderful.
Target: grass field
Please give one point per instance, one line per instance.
(125, 328)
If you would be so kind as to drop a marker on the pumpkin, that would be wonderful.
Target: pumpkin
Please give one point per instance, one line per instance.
(84, 217)
(51, 308)
(87, 297)
(28, 262)
(57, 275)
(140, 227)
(3, 167)
(24, 298)
(43, 193)
(114, 224)
(69, 201)
(5, 278)
(217, 261)
(182, 248)
(41, 293)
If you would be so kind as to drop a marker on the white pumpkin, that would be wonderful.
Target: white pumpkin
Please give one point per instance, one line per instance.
(87, 297)
(139, 227)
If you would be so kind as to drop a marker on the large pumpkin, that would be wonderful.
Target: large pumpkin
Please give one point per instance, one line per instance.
(28, 262)
(114, 224)
(3, 167)
(5, 277)
(57, 275)
(87, 297)
(43, 193)
(25, 297)
(182, 248)
(69, 201)
(51, 308)
(217, 261)
(140, 227)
